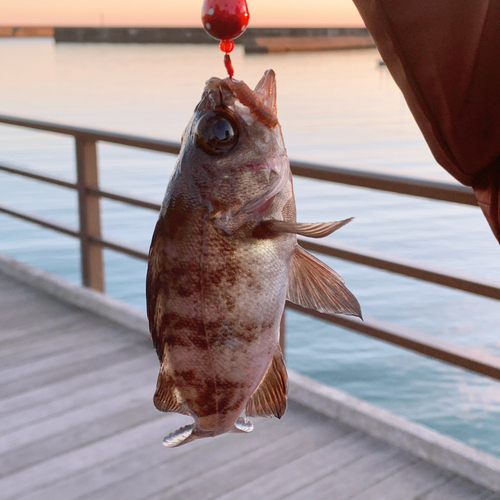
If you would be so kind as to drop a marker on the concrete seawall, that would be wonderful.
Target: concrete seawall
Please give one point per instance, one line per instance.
(307, 44)
(255, 40)
(190, 35)
(26, 31)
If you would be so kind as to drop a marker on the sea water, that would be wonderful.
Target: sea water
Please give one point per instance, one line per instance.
(334, 107)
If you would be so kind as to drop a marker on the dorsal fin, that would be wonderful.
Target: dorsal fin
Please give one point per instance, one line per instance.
(270, 397)
(312, 284)
(166, 398)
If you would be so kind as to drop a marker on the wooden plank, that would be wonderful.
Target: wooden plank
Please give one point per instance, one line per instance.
(25, 352)
(118, 469)
(457, 489)
(383, 461)
(45, 336)
(38, 334)
(34, 478)
(128, 413)
(409, 483)
(143, 469)
(59, 361)
(110, 403)
(88, 429)
(19, 295)
(72, 391)
(249, 466)
(77, 401)
(47, 330)
(70, 371)
(306, 469)
(199, 457)
(23, 315)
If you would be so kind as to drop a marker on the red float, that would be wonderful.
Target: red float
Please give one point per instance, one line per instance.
(225, 20)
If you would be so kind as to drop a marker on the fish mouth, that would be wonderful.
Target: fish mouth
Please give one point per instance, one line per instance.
(261, 102)
(216, 94)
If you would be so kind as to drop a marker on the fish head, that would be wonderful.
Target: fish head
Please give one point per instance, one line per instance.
(234, 148)
(233, 124)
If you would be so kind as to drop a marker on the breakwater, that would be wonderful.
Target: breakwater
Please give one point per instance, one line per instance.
(26, 31)
(256, 40)
(187, 35)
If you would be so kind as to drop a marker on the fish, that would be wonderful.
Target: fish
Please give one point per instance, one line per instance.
(223, 260)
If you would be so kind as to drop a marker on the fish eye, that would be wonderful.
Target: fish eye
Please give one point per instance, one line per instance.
(216, 132)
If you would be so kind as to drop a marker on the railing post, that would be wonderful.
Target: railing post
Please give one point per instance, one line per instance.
(90, 214)
(282, 332)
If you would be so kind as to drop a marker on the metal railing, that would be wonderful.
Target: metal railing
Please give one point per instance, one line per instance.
(92, 242)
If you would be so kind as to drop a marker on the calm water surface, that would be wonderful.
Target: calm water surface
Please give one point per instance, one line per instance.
(337, 108)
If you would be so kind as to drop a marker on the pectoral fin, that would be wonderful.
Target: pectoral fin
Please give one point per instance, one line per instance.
(314, 285)
(270, 396)
(312, 230)
(166, 398)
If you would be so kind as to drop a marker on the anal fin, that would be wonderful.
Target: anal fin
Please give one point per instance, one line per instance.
(312, 284)
(270, 396)
(166, 398)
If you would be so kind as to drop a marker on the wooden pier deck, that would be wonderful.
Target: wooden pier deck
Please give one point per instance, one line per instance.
(77, 422)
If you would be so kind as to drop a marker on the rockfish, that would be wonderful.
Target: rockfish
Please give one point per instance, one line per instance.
(224, 258)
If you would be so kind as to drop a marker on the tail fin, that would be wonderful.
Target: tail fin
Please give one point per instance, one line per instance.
(185, 434)
(179, 437)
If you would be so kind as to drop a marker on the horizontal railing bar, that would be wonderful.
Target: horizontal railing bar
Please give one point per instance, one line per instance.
(354, 177)
(464, 357)
(399, 266)
(434, 190)
(96, 135)
(424, 272)
(39, 177)
(125, 199)
(481, 363)
(137, 252)
(40, 221)
(459, 356)
(372, 259)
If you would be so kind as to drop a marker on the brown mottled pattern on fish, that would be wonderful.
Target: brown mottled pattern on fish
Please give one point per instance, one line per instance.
(219, 267)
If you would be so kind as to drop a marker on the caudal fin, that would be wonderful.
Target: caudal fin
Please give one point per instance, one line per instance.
(179, 437)
(185, 434)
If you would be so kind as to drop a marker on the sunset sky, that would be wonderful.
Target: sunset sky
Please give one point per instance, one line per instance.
(172, 12)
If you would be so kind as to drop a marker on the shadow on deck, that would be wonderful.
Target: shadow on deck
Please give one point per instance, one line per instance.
(77, 421)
